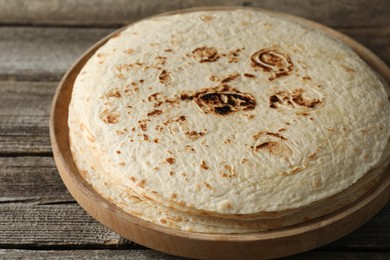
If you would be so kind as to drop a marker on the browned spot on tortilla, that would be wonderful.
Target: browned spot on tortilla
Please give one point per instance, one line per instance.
(109, 117)
(189, 148)
(205, 54)
(244, 161)
(293, 99)
(347, 69)
(142, 124)
(118, 152)
(173, 196)
(146, 137)
(155, 113)
(154, 96)
(122, 164)
(262, 133)
(164, 76)
(171, 173)
(133, 179)
(272, 60)
(204, 165)
(233, 55)
(170, 160)
(129, 51)
(155, 140)
(228, 205)
(208, 186)
(306, 78)
(277, 135)
(230, 77)
(248, 75)
(182, 203)
(141, 183)
(126, 67)
(273, 148)
(207, 18)
(119, 132)
(164, 221)
(301, 101)
(230, 172)
(312, 156)
(221, 100)
(213, 78)
(272, 100)
(168, 50)
(114, 93)
(194, 134)
(161, 60)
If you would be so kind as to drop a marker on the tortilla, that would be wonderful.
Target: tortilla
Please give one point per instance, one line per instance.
(231, 114)
(129, 201)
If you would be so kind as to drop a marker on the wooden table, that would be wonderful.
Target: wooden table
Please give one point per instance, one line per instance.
(39, 40)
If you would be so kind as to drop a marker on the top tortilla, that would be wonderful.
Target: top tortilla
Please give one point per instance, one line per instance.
(231, 113)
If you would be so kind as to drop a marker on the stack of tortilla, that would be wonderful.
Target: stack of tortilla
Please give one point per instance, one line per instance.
(228, 122)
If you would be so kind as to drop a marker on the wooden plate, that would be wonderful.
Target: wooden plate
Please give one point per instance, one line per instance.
(270, 244)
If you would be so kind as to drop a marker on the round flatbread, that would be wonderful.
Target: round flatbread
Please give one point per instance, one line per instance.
(233, 114)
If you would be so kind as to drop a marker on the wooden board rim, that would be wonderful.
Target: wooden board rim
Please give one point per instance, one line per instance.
(192, 243)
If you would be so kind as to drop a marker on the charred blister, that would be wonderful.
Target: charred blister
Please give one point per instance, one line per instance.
(296, 99)
(205, 54)
(223, 101)
(271, 143)
(273, 61)
(109, 117)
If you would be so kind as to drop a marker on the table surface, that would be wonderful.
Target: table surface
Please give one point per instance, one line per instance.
(39, 40)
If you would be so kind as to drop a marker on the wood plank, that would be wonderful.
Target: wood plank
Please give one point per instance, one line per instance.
(33, 180)
(375, 235)
(103, 12)
(24, 116)
(36, 53)
(87, 254)
(43, 53)
(154, 255)
(54, 226)
(69, 226)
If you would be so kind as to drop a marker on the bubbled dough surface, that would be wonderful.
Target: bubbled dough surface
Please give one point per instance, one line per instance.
(322, 149)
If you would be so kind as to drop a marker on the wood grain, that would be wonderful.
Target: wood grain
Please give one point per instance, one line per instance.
(43, 53)
(103, 12)
(53, 226)
(31, 180)
(24, 116)
(69, 226)
(153, 255)
(87, 254)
